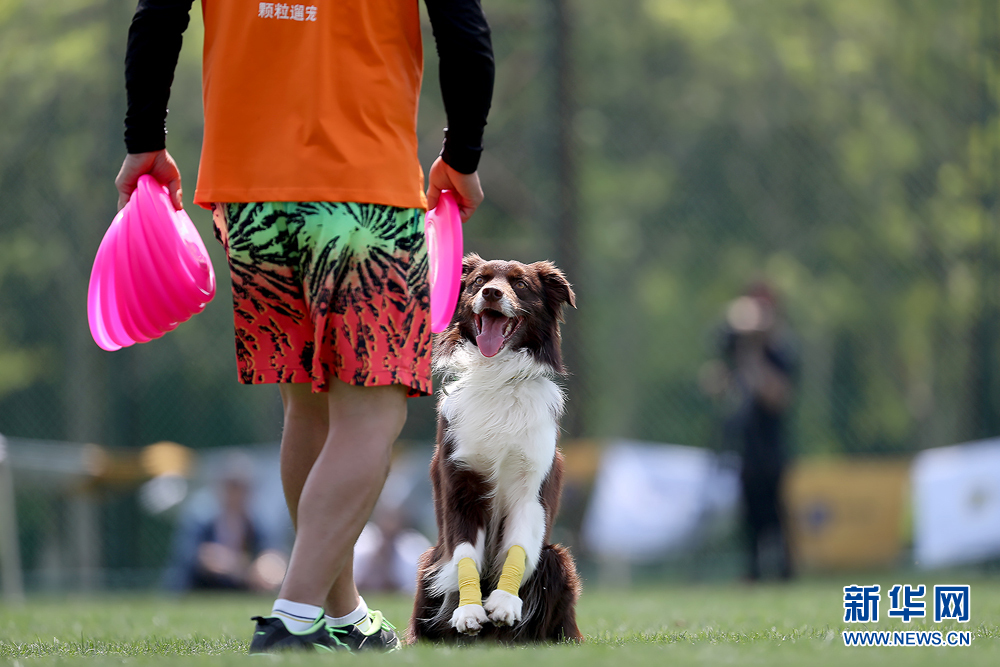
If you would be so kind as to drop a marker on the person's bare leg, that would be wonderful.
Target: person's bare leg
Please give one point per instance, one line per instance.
(306, 429)
(339, 493)
(343, 597)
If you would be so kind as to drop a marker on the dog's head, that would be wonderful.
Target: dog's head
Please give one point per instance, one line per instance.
(507, 305)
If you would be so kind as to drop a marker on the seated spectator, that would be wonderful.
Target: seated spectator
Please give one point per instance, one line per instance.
(226, 548)
(386, 553)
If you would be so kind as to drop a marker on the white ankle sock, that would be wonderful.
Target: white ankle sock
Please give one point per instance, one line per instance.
(297, 616)
(358, 617)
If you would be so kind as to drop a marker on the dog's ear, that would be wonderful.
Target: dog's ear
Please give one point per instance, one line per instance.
(557, 288)
(469, 264)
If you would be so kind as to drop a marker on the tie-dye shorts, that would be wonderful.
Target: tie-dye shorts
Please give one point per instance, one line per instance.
(329, 290)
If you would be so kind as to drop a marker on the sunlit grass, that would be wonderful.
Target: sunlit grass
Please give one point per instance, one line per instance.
(798, 623)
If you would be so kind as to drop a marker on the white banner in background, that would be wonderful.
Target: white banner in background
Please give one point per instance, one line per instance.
(956, 504)
(650, 500)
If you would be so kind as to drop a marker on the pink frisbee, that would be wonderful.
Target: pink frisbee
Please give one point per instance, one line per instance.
(444, 253)
(98, 295)
(151, 272)
(176, 281)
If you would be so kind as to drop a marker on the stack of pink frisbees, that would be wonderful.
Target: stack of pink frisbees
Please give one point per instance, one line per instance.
(151, 273)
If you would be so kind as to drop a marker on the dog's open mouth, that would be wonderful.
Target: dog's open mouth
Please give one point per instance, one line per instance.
(493, 329)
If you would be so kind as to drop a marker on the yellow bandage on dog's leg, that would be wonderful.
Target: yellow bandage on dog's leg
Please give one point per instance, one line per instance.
(513, 571)
(468, 583)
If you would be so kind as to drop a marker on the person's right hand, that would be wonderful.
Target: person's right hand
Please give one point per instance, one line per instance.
(468, 191)
(159, 165)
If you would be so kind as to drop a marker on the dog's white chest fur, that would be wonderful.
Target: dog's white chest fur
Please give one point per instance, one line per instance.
(503, 414)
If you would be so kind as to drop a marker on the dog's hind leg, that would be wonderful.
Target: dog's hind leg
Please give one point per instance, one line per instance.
(425, 606)
(550, 598)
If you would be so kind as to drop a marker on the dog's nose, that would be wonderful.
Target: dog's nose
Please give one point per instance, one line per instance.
(492, 293)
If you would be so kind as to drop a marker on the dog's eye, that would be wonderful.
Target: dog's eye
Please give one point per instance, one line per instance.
(479, 281)
(520, 284)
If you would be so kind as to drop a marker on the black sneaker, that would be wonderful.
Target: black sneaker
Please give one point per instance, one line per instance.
(271, 636)
(381, 636)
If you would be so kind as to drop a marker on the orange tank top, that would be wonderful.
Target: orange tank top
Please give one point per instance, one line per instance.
(311, 102)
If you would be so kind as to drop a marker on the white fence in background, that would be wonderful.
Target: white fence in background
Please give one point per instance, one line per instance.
(11, 579)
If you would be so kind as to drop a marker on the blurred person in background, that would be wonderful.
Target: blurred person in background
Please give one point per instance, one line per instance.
(386, 554)
(754, 377)
(226, 547)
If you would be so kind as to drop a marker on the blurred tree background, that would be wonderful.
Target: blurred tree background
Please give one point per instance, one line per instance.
(664, 152)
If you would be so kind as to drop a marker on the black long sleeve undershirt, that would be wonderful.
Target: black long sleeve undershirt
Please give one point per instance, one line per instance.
(466, 74)
(154, 43)
(463, 43)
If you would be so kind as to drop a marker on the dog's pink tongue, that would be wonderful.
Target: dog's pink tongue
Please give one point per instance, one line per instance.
(491, 338)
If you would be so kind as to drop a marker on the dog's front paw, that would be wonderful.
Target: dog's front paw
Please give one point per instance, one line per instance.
(503, 608)
(469, 619)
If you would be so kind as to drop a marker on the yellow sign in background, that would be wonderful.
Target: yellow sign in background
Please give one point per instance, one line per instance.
(847, 514)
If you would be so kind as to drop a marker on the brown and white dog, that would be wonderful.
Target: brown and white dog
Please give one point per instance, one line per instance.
(496, 471)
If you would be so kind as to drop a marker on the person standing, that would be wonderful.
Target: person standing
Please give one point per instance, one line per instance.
(756, 376)
(309, 163)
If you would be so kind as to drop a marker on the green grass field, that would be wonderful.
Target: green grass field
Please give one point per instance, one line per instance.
(798, 624)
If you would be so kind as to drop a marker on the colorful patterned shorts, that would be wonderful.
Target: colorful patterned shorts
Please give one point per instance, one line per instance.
(329, 290)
